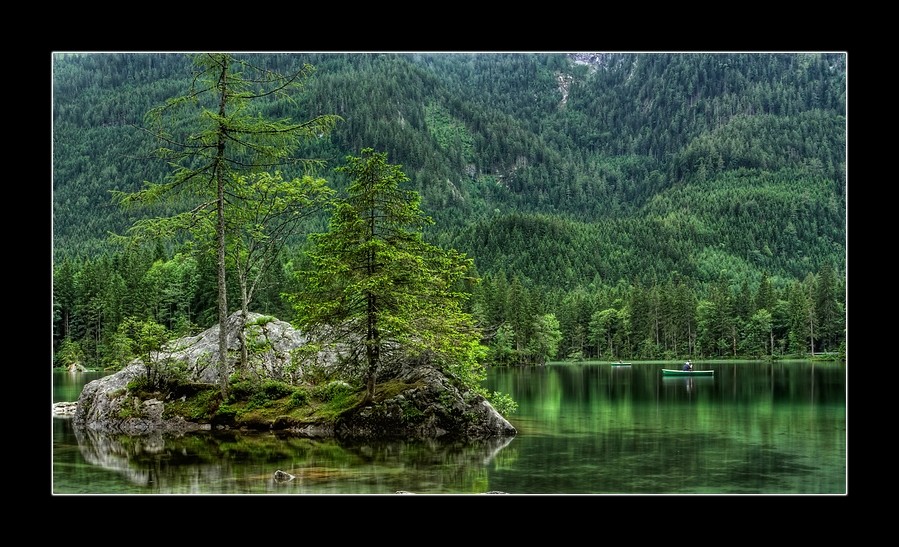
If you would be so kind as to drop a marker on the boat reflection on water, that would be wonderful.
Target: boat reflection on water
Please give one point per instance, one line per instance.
(687, 384)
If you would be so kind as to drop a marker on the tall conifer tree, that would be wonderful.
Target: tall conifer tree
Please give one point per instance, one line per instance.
(378, 288)
(225, 137)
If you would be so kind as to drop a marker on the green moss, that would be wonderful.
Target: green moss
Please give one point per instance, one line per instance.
(411, 412)
(392, 388)
(197, 404)
(265, 405)
(331, 390)
(130, 408)
(299, 398)
(126, 412)
(341, 403)
(226, 413)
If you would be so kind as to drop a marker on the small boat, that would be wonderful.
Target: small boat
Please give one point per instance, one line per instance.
(679, 372)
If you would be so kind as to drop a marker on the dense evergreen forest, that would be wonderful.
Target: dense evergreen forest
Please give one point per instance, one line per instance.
(625, 205)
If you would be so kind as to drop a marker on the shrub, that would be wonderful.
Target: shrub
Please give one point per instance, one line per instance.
(225, 413)
(241, 390)
(262, 320)
(331, 391)
(141, 386)
(274, 389)
(503, 403)
(298, 398)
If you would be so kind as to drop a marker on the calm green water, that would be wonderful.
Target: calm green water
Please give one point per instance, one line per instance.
(752, 428)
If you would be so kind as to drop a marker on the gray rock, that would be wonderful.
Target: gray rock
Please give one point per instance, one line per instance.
(104, 406)
(282, 476)
(64, 409)
(432, 407)
(201, 352)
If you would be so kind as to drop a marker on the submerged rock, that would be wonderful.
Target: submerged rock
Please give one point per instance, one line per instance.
(65, 409)
(282, 476)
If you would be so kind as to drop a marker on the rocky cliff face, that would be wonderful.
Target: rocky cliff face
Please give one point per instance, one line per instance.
(105, 406)
(200, 353)
(429, 406)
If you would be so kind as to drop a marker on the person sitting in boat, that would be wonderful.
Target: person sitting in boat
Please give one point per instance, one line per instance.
(688, 366)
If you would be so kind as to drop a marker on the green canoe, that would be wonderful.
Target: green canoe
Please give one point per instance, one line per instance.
(678, 372)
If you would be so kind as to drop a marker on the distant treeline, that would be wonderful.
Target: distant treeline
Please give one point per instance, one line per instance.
(522, 322)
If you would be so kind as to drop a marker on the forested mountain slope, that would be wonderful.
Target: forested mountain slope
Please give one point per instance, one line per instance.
(563, 170)
(741, 152)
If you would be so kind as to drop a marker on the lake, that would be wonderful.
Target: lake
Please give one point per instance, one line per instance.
(583, 428)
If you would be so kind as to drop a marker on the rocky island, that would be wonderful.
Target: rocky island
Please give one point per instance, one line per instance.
(412, 400)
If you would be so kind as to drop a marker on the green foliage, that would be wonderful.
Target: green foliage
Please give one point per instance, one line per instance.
(544, 344)
(338, 397)
(242, 389)
(262, 320)
(265, 211)
(260, 394)
(129, 410)
(503, 403)
(70, 353)
(501, 348)
(332, 391)
(147, 338)
(410, 411)
(376, 281)
(450, 133)
(138, 385)
(306, 363)
(199, 403)
(226, 413)
(208, 138)
(256, 340)
(299, 397)
(274, 389)
(587, 155)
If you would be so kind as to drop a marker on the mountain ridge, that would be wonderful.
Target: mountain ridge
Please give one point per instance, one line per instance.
(487, 135)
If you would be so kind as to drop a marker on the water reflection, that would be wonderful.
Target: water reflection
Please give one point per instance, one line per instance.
(240, 462)
(752, 428)
(675, 386)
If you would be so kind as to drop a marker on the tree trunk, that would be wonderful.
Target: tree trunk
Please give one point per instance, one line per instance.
(241, 334)
(372, 348)
(811, 334)
(220, 238)
(733, 337)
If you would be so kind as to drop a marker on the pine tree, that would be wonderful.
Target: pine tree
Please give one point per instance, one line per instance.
(544, 344)
(224, 137)
(378, 288)
(827, 308)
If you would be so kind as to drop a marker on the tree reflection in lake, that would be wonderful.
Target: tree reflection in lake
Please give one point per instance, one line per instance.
(237, 462)
(752, 428)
